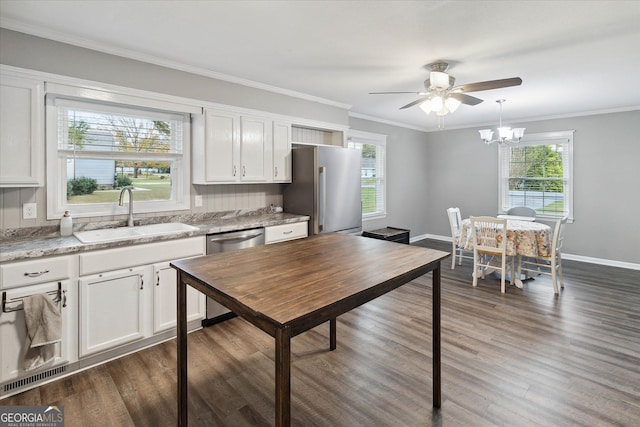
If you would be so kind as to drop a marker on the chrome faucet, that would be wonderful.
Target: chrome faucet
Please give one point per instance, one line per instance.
(130, 219)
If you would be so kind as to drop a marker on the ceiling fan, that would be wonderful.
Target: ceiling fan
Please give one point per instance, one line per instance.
(442, 97)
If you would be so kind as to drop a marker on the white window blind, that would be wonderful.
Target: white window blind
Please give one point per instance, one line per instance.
(97, 147)
(537, 173)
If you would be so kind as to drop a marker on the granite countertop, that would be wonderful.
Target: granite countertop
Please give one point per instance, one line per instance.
(51, 244)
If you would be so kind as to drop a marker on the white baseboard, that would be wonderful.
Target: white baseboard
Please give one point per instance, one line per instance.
(571, 257)
(602, 261)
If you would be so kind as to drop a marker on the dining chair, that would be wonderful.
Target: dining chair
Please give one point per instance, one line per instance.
(489, 244)
(455, 221)
(522, 211)
(551, 264)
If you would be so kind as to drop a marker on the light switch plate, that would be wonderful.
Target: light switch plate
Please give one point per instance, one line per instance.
(29, 211)
(198, 201)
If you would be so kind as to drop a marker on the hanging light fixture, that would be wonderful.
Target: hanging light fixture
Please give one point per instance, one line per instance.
(439, 101)
(505, 134)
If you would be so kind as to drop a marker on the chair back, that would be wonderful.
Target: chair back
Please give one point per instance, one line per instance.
(489, 234)
(455, 221)
(522, 211)
(558, 236)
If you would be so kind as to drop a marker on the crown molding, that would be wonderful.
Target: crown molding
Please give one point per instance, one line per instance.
(13, 25)
(386, 122)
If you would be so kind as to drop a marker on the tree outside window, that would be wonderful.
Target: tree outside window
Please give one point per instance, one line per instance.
(537, 174)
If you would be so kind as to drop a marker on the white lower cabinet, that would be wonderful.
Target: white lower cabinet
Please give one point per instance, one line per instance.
(128, 294)
(284, 232)
(112, 309)
(13, 331)
(165, 300)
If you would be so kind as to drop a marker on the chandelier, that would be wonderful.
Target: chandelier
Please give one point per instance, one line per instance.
(505, 134)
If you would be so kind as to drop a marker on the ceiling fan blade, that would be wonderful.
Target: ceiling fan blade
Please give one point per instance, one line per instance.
(417, 101)
(386, 93)
(465, 99)
(488, 85)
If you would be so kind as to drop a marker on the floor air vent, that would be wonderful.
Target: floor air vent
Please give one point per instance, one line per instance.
(33, 378)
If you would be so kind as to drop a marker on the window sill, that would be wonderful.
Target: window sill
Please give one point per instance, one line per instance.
(374, 216)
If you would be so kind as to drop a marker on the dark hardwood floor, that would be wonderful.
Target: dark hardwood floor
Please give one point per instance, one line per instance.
(524, 358)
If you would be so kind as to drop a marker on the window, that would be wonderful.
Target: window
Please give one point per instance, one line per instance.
(537, 173)
(95, 148)
(372, 166)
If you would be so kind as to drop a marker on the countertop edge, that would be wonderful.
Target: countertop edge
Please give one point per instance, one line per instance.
(25, 249)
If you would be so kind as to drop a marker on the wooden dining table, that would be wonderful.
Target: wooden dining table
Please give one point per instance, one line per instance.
(524, 238)
(288, 288)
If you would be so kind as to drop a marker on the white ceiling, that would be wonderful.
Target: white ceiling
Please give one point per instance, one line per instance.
(574, 57)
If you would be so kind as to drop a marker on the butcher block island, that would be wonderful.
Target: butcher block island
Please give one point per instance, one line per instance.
(289, 288)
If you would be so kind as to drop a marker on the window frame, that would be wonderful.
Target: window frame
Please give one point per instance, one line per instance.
(380, 141)
(56, 173)
(538, 139)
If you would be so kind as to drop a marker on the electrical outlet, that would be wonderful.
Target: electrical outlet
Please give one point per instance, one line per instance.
(198, 201)
(29, 211)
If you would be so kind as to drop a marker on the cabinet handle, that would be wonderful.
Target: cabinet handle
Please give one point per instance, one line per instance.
(157, 278)
(287, 232)
(36, 274)
(234, 170)
(276, 172)
(64, 299)
(244, 170)
(141, 282)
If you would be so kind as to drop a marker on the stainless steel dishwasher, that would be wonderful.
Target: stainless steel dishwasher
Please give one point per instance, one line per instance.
(224, 242)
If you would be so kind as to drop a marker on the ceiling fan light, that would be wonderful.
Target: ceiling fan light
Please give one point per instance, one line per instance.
(443, 111)
(426, 106)
(518, 133)
(452, 104)
(439, 80)
(486, 134)
(436, 103)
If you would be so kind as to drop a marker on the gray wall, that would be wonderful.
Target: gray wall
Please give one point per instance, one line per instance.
(463, 172)
(407, 177)
(35, 53)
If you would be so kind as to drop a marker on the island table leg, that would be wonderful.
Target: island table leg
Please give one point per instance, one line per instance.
(182, 351)
(283, 377)
(332, 334)
(437, 388)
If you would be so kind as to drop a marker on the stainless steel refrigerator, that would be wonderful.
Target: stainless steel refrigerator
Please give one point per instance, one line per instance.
(326, 186)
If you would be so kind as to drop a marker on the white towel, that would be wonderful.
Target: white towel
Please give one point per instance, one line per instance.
(44, 329)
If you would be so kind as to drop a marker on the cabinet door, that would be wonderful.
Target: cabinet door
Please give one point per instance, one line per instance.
(255, 146)
(165, 298)
(221, 153)
(13, 331)
(281, 152)
(21, 132)
(111, 309)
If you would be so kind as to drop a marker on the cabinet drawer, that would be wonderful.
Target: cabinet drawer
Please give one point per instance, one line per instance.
(34, 272)
(281, 233)
(131, 256)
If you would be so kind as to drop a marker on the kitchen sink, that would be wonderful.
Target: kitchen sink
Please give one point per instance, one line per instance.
(123, 233)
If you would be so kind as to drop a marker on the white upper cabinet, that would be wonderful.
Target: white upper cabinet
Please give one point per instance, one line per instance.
(216, 153)
(230, 147)
(255, 148)
(21, 130)
(281, 171)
